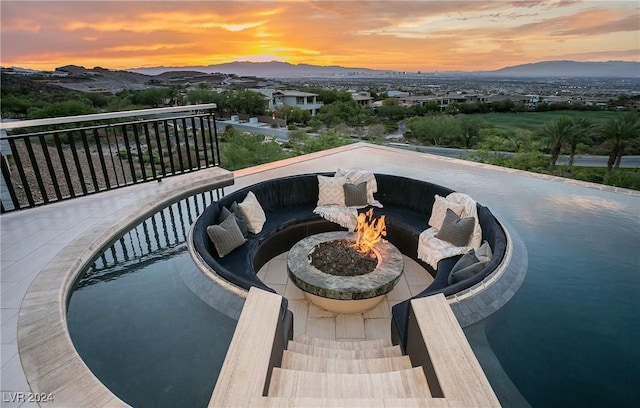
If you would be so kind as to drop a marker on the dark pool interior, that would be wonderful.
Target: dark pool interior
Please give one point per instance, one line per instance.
(569, 338)
(571, 335)
(139, 329)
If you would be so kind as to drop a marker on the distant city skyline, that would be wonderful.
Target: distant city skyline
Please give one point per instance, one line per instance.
(403, 36)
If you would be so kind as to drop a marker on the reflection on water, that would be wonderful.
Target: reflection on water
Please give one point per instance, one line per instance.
(585, 202)
(136, 325)
(159, 236)
(570, 336)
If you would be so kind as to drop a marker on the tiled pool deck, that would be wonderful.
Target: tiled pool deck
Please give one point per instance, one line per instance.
(31, 239)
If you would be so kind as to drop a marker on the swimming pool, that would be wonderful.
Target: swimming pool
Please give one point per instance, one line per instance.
(567, 338)
(136, 324)
(570, 336)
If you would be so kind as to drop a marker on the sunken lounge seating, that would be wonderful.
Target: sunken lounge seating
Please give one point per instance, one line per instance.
(288, 204)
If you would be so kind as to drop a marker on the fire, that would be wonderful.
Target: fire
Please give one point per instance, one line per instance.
(369, 232)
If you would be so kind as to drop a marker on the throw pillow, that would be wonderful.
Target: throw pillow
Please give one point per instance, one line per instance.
(355, 195)
(226, 236)
(331, 191)
(242, 223)
(253, 213)
(484, 252)
(466, 260)
(466, 267)
(439, 211)
(224, 213)
(362, 176)
(456, 230)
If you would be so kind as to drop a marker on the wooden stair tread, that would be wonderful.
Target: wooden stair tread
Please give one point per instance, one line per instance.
(394, 384)
(324, 352)
(343, 344)
(304, 362)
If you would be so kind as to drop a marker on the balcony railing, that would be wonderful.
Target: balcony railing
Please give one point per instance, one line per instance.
(49, 160)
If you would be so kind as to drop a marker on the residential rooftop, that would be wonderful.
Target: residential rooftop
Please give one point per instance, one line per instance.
(33, 239)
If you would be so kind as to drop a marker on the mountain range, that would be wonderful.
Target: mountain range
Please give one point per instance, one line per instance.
(611, 69)
(277, 69)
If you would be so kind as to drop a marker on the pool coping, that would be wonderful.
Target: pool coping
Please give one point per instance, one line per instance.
(476, 303)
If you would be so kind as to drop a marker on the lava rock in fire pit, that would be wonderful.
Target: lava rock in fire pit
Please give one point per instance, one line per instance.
(341, 258)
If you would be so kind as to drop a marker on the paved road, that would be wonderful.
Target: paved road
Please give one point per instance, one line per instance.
(580, 160)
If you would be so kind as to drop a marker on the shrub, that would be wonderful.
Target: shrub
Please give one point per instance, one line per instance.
(324, 141)
(315, 124)
(528, 161)
(248, 150)
(297, 136)
(625, 178)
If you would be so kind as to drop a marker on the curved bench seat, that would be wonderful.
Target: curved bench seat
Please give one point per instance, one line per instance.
(289, 202)
(493, 233)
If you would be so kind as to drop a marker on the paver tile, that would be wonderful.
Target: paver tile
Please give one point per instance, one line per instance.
(350, 326)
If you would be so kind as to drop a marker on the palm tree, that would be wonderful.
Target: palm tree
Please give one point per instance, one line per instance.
(618, 132)
(557, 133)
(582, 129)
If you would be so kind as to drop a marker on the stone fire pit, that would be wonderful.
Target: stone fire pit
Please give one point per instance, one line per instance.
(344, 294)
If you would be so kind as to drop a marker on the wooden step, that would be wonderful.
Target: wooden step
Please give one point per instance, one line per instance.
(318, 351)
(303, 362)
(308, 402)
(410, 383)
(343, 344)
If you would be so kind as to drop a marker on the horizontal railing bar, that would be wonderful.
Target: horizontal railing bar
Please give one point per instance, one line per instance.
(103, 126)
(103, 116)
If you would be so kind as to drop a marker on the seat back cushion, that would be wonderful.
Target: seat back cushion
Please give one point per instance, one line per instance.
(253, 213)
(413, 194)
(226, 236)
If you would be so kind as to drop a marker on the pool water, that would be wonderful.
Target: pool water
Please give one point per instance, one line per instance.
(568, 338)
(139, 329)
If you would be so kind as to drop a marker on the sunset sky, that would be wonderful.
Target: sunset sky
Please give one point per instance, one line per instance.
(397, 35)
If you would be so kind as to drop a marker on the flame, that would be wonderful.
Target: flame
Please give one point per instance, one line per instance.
(369, 232)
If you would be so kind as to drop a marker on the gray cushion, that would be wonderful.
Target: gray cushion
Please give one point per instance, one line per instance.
(242, 223)
(224, 213)
(484, 253)
(226, 236)
(456, 230)
(466, 267)
(355, 195)
(466, 260)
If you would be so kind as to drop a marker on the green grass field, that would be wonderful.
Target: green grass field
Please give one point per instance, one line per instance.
(536, 120)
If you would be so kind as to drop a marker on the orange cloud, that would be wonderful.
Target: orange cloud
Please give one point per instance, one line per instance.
(404, 35)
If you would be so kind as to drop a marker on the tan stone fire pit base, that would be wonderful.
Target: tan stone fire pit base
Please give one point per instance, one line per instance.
(344, 306)
(344, 294)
